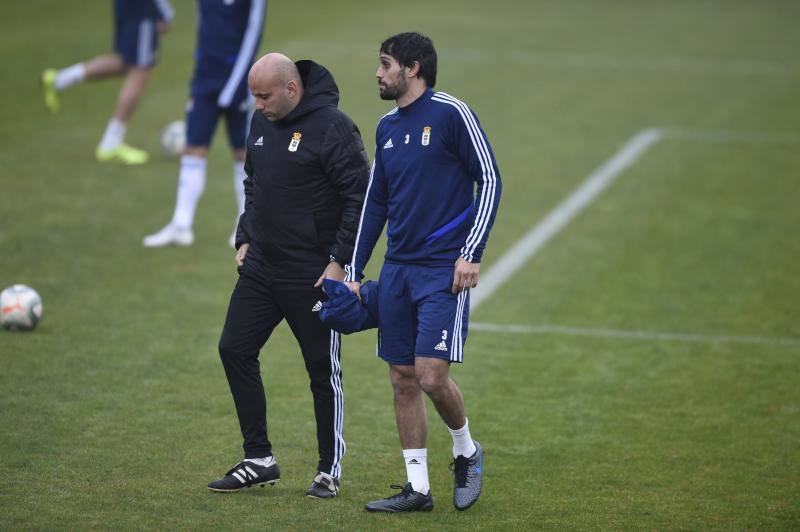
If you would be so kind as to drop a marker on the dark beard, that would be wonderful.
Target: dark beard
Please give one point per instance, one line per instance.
(388, 94)
(393, 93)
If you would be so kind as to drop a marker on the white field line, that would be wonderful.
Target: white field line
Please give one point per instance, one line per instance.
(634, 335)
(586, 60)
(515, 258)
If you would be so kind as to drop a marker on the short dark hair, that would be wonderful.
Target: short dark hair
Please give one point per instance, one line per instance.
(411, 47)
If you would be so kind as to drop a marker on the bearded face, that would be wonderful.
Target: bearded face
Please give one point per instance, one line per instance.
(392, 80)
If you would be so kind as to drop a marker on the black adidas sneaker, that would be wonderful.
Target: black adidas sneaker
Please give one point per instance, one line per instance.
(407, 500)
(246, 474)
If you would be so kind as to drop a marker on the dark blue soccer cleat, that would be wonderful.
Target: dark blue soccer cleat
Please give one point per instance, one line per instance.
(468, 473)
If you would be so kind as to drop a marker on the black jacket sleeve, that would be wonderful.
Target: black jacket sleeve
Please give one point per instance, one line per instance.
(346, 165)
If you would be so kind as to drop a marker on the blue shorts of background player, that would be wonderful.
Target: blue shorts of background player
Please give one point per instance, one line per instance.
(204, 111)
(136, 40)
(419, 316)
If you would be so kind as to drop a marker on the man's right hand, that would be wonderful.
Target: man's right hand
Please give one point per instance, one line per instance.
(240, 253)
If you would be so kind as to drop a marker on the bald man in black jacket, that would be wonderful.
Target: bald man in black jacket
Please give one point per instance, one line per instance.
(307, 174)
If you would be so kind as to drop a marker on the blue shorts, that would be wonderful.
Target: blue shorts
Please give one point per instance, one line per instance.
(136, 40)
(203, 112)
(419, 315)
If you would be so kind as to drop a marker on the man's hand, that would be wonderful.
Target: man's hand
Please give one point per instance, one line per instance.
(162, 26)
(333, 271)
(465, 275)
(355, 287)
(240, 253)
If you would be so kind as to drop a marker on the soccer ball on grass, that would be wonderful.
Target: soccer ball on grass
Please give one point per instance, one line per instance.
(173, 138)
(20, 308)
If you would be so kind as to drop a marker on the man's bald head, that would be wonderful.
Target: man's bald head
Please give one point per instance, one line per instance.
(275, 83)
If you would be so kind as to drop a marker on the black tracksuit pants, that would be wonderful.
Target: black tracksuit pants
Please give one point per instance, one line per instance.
(257, 306)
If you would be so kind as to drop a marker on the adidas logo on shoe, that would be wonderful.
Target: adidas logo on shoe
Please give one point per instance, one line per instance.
(441, 346)
(247, 473)
(317, 306)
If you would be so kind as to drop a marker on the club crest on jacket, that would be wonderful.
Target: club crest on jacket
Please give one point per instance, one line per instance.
(426, 135)
(295, 141)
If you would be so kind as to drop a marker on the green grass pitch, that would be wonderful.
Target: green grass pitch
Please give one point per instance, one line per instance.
(115, 412)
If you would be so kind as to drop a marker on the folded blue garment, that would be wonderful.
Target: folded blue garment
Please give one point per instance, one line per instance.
(344, 312)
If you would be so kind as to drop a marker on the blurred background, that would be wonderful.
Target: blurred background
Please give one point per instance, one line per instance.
(640, 370)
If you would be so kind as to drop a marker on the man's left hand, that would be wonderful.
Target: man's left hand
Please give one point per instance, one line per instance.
(333, 271)
(466, 275)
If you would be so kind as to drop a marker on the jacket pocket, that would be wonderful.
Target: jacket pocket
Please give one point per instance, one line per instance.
(290, 236)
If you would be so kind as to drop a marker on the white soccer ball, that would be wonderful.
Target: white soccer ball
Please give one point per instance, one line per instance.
(20, 308)
(173, 138)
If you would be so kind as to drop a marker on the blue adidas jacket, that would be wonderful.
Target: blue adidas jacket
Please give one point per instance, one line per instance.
(429, 156)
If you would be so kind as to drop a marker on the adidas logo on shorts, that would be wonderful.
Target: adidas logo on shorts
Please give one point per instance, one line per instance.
(317, 306)
(441, 346)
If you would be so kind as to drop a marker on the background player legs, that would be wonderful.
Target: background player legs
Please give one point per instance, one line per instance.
(191, 184)
(100, 67)
(131, 91)
(201, 120)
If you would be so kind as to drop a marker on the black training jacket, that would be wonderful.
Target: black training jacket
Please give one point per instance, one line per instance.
(306, 179)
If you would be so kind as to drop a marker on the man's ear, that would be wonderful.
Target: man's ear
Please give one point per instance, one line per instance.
(291, 86)
(413, 70)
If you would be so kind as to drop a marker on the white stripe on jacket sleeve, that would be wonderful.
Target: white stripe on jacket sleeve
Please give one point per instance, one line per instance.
(487, 199)
(255, 23)
(167, 12)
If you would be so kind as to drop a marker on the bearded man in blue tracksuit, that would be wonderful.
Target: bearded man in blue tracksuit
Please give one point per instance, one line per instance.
(436, 183)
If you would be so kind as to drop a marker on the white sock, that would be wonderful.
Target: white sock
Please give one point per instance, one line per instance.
(462, 441)
(417, 469)
(67, 77)
(238, 186)
(114, 135)
(191, 183)
(263, 462)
